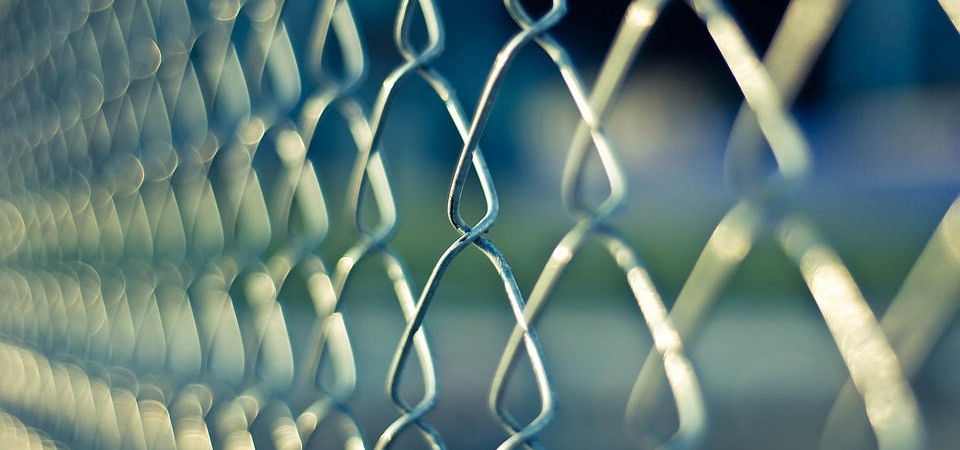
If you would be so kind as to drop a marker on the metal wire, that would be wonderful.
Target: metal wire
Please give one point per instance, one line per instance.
(843, 307)
(159, 194)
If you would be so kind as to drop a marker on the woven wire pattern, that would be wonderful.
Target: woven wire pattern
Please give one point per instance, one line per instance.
(160, 194)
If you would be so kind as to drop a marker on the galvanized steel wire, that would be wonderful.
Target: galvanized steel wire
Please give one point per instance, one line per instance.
(144, 250)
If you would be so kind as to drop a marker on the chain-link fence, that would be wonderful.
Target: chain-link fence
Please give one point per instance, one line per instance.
(203, 245)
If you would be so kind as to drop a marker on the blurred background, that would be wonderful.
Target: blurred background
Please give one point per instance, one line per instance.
(881, 111)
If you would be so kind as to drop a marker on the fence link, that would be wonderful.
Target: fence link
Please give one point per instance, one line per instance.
(164, 213)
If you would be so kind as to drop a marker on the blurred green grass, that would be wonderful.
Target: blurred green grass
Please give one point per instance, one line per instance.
(877, 230)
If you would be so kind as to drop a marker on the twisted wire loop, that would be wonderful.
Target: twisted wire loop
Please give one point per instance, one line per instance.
(592, 222)
(136, 314)
(328, 340)
(796, 44)
(791, 54)
(912, 329)
(370, 177)
(158, 206)
(329, 334)
(271, 382)
(471, 155)
(873, 366)
(61, 281)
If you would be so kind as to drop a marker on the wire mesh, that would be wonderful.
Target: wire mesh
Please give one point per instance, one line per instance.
(162, 203)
